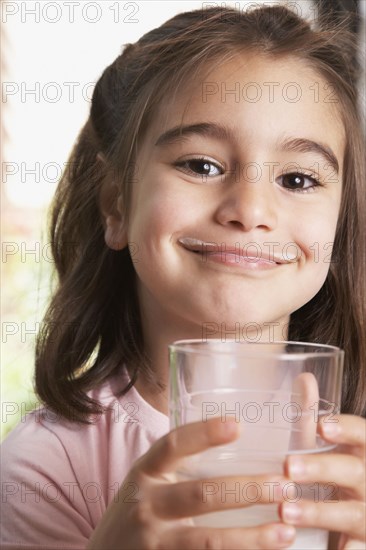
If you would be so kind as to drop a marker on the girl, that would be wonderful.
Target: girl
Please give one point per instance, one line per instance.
(219, 129)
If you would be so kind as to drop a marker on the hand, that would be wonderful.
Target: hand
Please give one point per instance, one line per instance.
(158, 518)
(346, 469)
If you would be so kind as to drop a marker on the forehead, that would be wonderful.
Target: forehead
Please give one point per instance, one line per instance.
(260, 98)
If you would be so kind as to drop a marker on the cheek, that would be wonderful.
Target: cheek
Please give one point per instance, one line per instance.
(160, 217)
(163, 206)
(316, 240)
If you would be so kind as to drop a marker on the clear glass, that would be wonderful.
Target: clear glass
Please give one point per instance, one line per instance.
(277, 391)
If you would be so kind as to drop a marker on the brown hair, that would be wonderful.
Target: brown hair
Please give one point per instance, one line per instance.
(93, 322)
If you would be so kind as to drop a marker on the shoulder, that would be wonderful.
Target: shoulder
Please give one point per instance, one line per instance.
(129, 424)
(69, 471)
(38, 482)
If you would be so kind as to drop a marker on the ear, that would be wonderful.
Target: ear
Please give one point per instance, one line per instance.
(111, 208)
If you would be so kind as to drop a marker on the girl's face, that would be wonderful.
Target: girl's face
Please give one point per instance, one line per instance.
(258, 171)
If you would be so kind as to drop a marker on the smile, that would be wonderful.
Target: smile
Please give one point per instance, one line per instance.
(233, 256)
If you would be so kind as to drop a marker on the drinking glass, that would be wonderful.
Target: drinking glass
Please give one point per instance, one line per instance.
(278, 392)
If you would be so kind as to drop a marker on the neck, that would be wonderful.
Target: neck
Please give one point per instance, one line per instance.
(159, 332)
(161, 328)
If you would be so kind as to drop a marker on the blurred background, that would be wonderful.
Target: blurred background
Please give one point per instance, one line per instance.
(52, 53)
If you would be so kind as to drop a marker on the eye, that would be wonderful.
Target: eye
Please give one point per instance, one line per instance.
(199, 167)
(299, 182)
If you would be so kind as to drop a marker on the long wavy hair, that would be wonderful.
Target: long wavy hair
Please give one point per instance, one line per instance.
(93, 323)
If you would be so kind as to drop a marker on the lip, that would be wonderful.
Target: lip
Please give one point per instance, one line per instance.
(233, 255)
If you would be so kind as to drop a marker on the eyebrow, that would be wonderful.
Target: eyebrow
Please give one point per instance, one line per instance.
(223, 133)
(301, 145)
(205, 129)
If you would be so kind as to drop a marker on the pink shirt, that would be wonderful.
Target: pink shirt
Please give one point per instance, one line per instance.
(58, 477)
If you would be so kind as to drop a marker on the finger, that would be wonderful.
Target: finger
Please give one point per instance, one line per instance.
(187, 440)
(193, 498)
(345, 516)
(346, 471)
(345, 429)
(271, 537)
(353, 544)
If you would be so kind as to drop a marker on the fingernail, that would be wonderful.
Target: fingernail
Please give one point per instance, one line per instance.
(331, 429)
(290, 491)
(283, 490)
(291, 512)
(229, 428)
(296, 467)
(285, 533)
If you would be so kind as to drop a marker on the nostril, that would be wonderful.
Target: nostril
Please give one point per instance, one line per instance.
(236, 223)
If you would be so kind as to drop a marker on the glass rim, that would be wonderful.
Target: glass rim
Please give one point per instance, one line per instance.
(183, 347)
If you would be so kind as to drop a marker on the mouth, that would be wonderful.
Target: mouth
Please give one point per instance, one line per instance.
(235, 255)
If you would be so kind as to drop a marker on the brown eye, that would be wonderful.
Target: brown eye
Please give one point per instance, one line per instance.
(199, 167)
(298, 182)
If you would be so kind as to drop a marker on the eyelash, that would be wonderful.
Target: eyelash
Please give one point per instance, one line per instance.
(181, 164)
(314, 179)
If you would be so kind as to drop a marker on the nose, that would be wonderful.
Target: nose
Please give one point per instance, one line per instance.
(249, 205)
